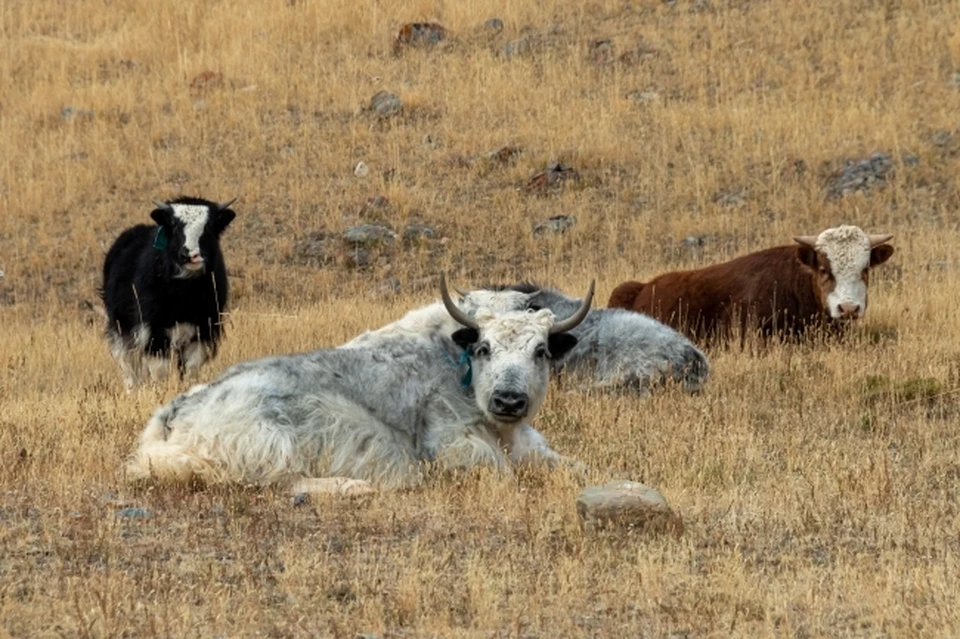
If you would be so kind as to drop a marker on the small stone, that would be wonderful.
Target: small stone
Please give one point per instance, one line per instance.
(374, 205)
(361, 170)
(318, 248)
(493, 25)
(942, 138)
(861, 175)
(300, 499)
(418, 232)
(629, 504)
(911, 160)
(70, 113)
(643, 97)
(504, 155)
(420, 34)
(1, 273)
(600, 51)
(728, 198)
(134, 512)
(386, 105)
(557, 224)
(368, 235)
(693, 241)
(519, 47)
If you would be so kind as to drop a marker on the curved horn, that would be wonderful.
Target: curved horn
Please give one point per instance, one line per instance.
(571, 322)
(879, 239)
(453, 309)
(806, 240)
(459, 292)
(224, 205)
(163, 206)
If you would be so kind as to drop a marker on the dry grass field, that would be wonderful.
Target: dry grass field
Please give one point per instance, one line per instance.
(819, 484)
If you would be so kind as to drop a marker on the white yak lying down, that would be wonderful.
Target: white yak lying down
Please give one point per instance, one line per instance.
(342, 420)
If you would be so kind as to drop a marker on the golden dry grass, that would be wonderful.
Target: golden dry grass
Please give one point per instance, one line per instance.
(819, 484)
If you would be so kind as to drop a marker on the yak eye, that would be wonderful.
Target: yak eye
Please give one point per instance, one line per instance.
(541, 352)
(482, 350)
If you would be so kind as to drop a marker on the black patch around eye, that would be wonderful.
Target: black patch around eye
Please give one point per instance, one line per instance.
(533, 308)
(465, 337)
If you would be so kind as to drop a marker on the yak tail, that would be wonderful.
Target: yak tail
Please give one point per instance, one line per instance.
(625, 295)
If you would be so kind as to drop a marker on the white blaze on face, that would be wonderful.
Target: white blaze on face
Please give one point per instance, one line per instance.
(848, 250)
(510, 357)
(194, 218)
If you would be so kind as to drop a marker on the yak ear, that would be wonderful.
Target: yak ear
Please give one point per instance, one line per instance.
(559, 344)
(222, 219)
(162, 217)
(880, 254)
(807, 256)
(465, 337)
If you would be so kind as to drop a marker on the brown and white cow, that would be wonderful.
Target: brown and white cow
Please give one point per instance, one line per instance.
(820, 281)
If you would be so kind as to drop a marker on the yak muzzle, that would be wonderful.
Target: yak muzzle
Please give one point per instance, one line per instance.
(509, 406)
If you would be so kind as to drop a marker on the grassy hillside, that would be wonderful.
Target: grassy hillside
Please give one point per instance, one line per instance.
(818, 483)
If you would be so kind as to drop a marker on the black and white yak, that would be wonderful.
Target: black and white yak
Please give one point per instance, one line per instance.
(165, 289)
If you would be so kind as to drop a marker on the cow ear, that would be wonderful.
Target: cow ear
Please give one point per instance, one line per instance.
(162, 217)
(559, 344)
(223, 219)
(880, 254)
(807, 256)
(465, 337)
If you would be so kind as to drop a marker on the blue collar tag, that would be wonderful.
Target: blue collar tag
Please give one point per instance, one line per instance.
(467, 378)
(160, 239)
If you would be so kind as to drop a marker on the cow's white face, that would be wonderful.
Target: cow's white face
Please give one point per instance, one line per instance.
(510, 355)
(192, 220)
(841, 258)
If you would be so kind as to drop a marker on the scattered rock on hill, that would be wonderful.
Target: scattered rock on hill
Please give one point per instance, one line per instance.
(361, 170)
(419, 34)
(133, 512)
(861, 175)
(374, 206)
(628, 504)
(556, 174)
(556, 224)
(385, 105)
(520, 47)
(318, 248)
(368, 235)
(69, 113)
(415, 233)
(493, 26)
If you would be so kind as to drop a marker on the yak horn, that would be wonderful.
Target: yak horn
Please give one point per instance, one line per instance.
(879, 239)
(224, 205)
(453, 309)
(163, 206)
(571, 322)
(806, 240)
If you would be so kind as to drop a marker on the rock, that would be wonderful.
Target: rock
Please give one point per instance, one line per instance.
(911, 160)
(1, 273)
(519, 47)
(557, 224)
(418, 232)
(374, 205)
(728, 198)
(69, 113)
(942, 138)
(133, 512)
(368, 235)
(493, 25)
(861, 175)
(693, 241)
(388, 288)
(555, 175)
(358, 257)
(319, 248)
(643, 97)
(300, 499)
(600, 51)
(419, 34)
(386, 105)
(361, 170)
(629, 504)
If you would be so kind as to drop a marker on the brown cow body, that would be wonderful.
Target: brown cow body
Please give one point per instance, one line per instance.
(785, 290)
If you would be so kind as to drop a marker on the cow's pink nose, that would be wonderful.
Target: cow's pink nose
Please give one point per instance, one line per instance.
(848, 309)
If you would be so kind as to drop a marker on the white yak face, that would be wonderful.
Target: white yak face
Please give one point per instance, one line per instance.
(191, 222)
(841, 259)
(510, 357)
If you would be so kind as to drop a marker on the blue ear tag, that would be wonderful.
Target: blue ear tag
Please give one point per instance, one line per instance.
(467, 378)
(160, 241)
